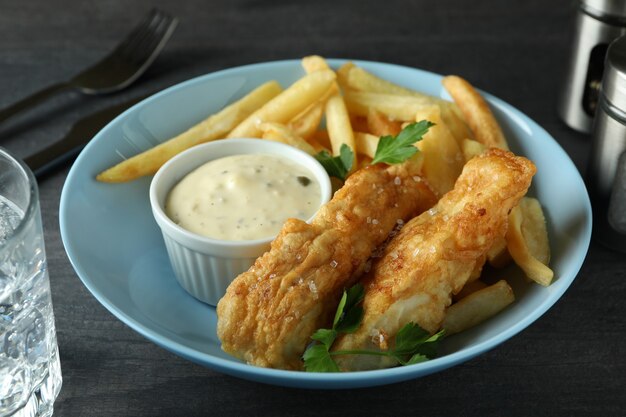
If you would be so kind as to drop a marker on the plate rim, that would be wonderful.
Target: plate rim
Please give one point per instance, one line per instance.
(299, 378)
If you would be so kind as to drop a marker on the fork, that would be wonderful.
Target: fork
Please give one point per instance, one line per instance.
(118, 69)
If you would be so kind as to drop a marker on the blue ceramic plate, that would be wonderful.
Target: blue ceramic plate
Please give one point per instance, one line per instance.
(117, 250)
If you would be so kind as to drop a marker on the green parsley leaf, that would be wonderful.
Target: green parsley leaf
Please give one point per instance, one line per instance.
(392, 150)
(417, 358)
(412, 343)
(340, 308)
(347, 156)
(409, 338)
(337, 166)
(317, 359)
(429, 347)
(354, 296)
(416, 344)
(352, 313)
(325, 336)
(347, 319)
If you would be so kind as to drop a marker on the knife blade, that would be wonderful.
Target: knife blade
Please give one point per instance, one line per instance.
(55, 155)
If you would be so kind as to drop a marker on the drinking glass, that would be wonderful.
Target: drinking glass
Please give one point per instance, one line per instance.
(30, 372)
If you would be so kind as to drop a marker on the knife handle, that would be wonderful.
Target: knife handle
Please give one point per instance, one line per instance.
(51, 157)
(32, 100)
(54, 155)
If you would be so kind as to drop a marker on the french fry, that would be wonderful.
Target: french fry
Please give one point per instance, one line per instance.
(306, 123)
(518, 248)
(342, 75)
(471, 148)
(338, 125)
(288, 104)
(498, 255)
(469, 288)
(477, 307)
(366, 143)
(534, 229)
(314, 63)
(214, 127)
(443, 160)
(356, 78)
(395, 107)
(476, 112)
(379, 125)
(452, 117)
(281, 133)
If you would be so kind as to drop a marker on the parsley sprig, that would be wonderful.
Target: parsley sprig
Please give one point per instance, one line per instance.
(394, 150)
(412, 343)
(337, 166)
(390, 150)
(347, 319)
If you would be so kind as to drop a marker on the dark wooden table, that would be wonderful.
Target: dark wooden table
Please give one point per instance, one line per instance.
(572, 361)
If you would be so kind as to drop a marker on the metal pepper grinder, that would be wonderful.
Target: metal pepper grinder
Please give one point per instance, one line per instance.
(598, 22)
(606, 173)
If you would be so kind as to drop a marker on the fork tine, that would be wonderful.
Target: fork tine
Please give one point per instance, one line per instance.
(139, 33)
(137, 30)
(157, 37)
(161, 34)
(130, 58)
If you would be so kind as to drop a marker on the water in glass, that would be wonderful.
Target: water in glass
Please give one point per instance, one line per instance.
(30, 374)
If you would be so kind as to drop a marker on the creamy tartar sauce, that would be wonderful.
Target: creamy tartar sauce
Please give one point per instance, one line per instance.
(243, 197)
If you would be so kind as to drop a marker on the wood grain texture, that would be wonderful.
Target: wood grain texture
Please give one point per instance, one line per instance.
(571, 362)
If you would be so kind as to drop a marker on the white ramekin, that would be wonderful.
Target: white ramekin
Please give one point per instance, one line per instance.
(205, 267)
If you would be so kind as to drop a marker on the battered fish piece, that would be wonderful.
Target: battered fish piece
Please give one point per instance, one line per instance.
(433, 256)
(269, 312)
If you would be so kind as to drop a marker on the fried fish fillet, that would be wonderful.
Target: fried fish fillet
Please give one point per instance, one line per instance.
(269, 312)
(433, 256)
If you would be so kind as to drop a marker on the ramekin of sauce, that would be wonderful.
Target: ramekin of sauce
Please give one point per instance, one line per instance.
(219, 205)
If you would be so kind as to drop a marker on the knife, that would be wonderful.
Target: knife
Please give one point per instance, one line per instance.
(53, 156)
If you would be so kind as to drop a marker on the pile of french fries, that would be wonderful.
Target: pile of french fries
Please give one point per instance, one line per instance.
(326, 108)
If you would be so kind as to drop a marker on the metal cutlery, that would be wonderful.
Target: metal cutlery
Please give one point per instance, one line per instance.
(53, 156)
(118, 69)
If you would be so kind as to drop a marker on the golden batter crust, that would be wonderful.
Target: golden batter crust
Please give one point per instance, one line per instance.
(435, 254)
(269, 312)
